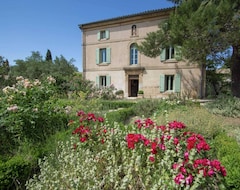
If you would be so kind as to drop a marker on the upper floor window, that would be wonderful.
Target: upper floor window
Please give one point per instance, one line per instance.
(171, 53)
(103, 34)
(134, 30)
(133, 54)
(103, 55)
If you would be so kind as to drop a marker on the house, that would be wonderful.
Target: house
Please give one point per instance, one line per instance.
(110, 57)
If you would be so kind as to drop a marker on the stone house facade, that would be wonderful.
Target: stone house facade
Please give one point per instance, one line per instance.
(110, 57)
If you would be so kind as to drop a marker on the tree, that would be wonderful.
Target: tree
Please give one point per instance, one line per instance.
(49, 56)
(205, 30)
(4, 67)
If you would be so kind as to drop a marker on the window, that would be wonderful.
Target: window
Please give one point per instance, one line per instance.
(133, 54)
(134, 30)
(103, 34)
(171, 53)
(103, 55)
(103, 81)
(170, 83)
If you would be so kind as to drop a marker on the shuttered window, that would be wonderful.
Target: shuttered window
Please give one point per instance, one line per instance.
(103, 34)
(103, 81)
(171, 53)
(103, 55)
(170, 83)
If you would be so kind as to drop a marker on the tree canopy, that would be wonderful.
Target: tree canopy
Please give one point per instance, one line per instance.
(204, 30)
(35, 66)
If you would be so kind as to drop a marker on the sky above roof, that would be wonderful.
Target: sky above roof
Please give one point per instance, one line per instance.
(39, 25)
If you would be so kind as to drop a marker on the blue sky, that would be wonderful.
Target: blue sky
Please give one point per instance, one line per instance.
(38, 25)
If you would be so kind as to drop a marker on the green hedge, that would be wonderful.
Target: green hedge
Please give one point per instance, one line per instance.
(228, 152)
(14, 173)
(120, 116)
(110, 105)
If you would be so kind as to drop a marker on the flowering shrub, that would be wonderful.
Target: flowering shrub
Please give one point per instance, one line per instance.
(142, 156)
(28, 112)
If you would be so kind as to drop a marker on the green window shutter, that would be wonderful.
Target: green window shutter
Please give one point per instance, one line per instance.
(163, 55)
(108, 80)
(97, 56)
(99, 35)
(107, 34)
(108, 55)
(177, 53)
(162, 83)
(177, 82)
(97, 81)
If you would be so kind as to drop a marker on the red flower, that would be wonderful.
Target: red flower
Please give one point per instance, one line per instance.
(176, 125)
(151, 158)
(83, 139)
(154, 148)
(100, 119)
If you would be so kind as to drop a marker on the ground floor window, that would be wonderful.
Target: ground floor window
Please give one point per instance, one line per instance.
(103, 81)
(170, 83)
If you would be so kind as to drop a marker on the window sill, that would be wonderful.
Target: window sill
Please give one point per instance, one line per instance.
(103, 64)
(103, 39)
(170, 61)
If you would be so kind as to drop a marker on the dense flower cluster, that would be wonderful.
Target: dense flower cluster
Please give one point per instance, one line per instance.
(183, 144)
(85, 132)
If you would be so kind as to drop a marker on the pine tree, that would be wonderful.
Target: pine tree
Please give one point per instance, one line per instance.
(204, 29)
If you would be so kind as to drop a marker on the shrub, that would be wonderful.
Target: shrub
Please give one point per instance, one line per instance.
(111, 104)
(119, 116)
(226, 106)
(228, 152)
(14, 172)
(119, 92)
(29, 111)
(143, 156)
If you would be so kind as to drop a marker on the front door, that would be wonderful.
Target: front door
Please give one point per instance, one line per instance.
(133, 85)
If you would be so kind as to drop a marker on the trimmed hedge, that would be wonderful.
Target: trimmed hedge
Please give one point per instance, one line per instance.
(14, 173)
(228, 152)
(110, 105)
(120, 116)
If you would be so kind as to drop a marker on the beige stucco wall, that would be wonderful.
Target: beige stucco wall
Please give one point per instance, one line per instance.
(119, 42)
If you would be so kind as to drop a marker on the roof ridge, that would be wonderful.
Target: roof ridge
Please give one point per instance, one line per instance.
(129, 15)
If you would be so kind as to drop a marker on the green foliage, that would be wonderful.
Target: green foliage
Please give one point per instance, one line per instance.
(14, 172)
(228, 152)
(123, 161)
(120, 116)
(48, 56)
(119, 92)
(205, 30)
(35, 67)
(28, 111)
(147, 107)
(111, 104)
(226, 106)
